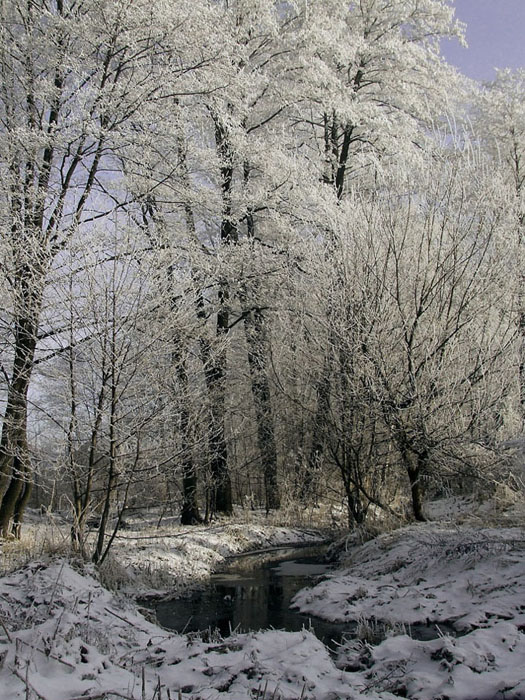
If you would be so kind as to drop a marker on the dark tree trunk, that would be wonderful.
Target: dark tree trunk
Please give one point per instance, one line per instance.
(189, 514)
(111, 485)
(521, 351)
(416, 465)
(415, 462)
(318, 431)
(356, 510)
(113, 474)
(15, 467)
(221, 489)
(416, 492)
(258, 352)
(215, 371)
(190, 509)
(221, 486)
(338, 139)
(14, 499)
(350, 476)
(82, 494)
(22, 501)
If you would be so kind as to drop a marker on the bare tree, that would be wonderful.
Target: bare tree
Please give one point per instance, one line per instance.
(77, 88)
(499, 123)
(439, 355)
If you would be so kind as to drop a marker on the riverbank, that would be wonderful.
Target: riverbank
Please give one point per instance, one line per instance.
(64, 636)
(174, 560)
(466, 583)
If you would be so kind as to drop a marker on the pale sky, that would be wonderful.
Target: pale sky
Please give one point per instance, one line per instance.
(495, 35)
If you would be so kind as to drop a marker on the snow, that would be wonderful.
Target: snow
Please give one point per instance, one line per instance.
(64, 636)
(175, 559)
(467, 579)
(427, 573)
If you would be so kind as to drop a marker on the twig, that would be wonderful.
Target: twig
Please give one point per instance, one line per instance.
(28, 685)
(88, 631)
(102, 696)
(57, 627)
(190, 618)
(285, 545)
(121, 618)
(48, 654)
(56, 584)
(9, 638)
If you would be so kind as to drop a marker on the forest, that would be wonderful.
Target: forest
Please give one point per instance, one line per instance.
(253, 254)
(262, 285)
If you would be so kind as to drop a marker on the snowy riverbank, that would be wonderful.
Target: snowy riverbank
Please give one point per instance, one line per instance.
(174, 559)
(470, 581)
(64, 636)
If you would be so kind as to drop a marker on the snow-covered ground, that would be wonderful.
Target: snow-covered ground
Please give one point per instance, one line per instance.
(71, 638)
(470, 581)
(174, 559)
(64, 636)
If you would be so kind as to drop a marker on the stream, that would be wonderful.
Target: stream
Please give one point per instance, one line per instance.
(254, 592)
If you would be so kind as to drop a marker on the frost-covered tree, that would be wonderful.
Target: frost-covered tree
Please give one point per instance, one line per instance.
(436, 336)
(262, 156)
(80, 84)
(499, 123)
(375, 86)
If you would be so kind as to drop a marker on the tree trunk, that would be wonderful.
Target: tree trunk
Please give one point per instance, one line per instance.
(111, 485)
(15, 466)
(23, 499)
(113, 473)
(190, 509)
(15, 497)
(337, 141)
(221, 496)
(318, 431)
(416, 465)
(416, 492)
(521, 351)
(214, 369)
(258, 351)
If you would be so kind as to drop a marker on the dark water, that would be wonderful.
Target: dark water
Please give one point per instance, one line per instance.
(255, 592)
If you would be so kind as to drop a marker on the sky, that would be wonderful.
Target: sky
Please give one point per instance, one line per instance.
(495, 35)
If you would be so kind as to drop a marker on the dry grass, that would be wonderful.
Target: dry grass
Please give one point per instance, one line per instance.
(44, 538)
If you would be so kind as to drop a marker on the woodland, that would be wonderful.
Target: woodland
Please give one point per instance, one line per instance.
(254, 255)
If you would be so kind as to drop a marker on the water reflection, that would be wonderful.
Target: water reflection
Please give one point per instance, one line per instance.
(255, 593)
(251, 596)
